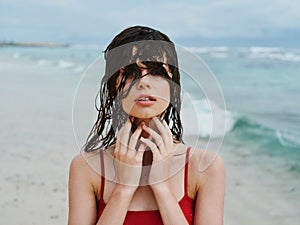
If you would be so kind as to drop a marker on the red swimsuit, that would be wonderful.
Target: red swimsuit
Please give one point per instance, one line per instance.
(152, 217)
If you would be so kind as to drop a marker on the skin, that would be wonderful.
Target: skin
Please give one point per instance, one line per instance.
(155, 86)
(206, 187)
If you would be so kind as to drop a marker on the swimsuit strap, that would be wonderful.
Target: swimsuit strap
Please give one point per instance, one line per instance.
(186, 170)
(102, 171)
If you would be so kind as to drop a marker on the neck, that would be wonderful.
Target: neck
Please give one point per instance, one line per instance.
(147, 157)
(138, 121)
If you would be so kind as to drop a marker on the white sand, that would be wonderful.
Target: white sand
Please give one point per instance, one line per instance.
(37, 145)
(259, 195)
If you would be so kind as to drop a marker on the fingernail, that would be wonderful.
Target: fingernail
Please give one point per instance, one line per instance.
(144, 125)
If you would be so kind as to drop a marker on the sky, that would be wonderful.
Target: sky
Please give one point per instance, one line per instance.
(194, 22)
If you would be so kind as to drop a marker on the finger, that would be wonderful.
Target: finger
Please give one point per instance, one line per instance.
(164, 131)
(134, 138)
(168, 129)
(152, 147)
(156, 137)
(140, 151)
(166, 134)
(158, 123)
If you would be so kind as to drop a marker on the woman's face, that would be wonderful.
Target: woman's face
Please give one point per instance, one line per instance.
(148, 97)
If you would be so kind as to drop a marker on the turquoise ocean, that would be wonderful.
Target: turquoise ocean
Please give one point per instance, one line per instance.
(261, 87)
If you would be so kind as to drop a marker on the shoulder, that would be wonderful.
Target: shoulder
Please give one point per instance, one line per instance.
(80, 169)
(82, 189)
(209, 186)
(206, 160)
(207, 166)
(78, 163)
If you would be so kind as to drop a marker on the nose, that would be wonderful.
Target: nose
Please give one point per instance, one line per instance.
(144, 82)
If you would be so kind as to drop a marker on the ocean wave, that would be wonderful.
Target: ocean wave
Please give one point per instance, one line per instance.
(197, 120)
(79, 68)
(44, 62)
(255, 52)
(221, 55)
(204, 50)
(16, 55)
(65, 64)
(256, 49)
(199, 113)
(282, 56)
(272, 53)
(246, 128)
(287, 139)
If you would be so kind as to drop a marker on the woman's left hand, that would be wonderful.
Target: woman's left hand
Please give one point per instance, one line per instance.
(160, 143)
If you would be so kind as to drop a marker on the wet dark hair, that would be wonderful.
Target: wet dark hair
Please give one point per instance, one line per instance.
(150, 46)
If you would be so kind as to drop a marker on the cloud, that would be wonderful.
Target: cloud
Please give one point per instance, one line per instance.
(94, 19)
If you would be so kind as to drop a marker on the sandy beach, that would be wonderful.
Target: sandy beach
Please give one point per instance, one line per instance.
(37, 145)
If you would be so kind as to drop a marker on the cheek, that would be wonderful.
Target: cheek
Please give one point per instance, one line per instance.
(164, 95)
(127, 84)
(127, 103)
(165, 87)
(167, 95)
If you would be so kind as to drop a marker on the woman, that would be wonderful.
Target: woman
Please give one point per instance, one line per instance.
(134, 167)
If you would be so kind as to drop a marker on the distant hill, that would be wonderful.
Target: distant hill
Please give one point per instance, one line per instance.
(34, 44)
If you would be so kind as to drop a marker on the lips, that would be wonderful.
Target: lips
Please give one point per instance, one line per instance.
(145, 98)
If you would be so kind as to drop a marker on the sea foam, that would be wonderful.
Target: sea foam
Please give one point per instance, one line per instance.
(199, 113)
(66, 64)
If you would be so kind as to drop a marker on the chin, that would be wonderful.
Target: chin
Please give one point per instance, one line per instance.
(146, 115)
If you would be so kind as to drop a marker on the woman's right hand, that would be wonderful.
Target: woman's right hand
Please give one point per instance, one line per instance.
(128, 159)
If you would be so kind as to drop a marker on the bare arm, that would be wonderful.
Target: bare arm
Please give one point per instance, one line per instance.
(82, 198)
(169, 208)
(128, 171)
(117, 205)
(162, 148)
(210, 196)
(210, 183)
(82, 204)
